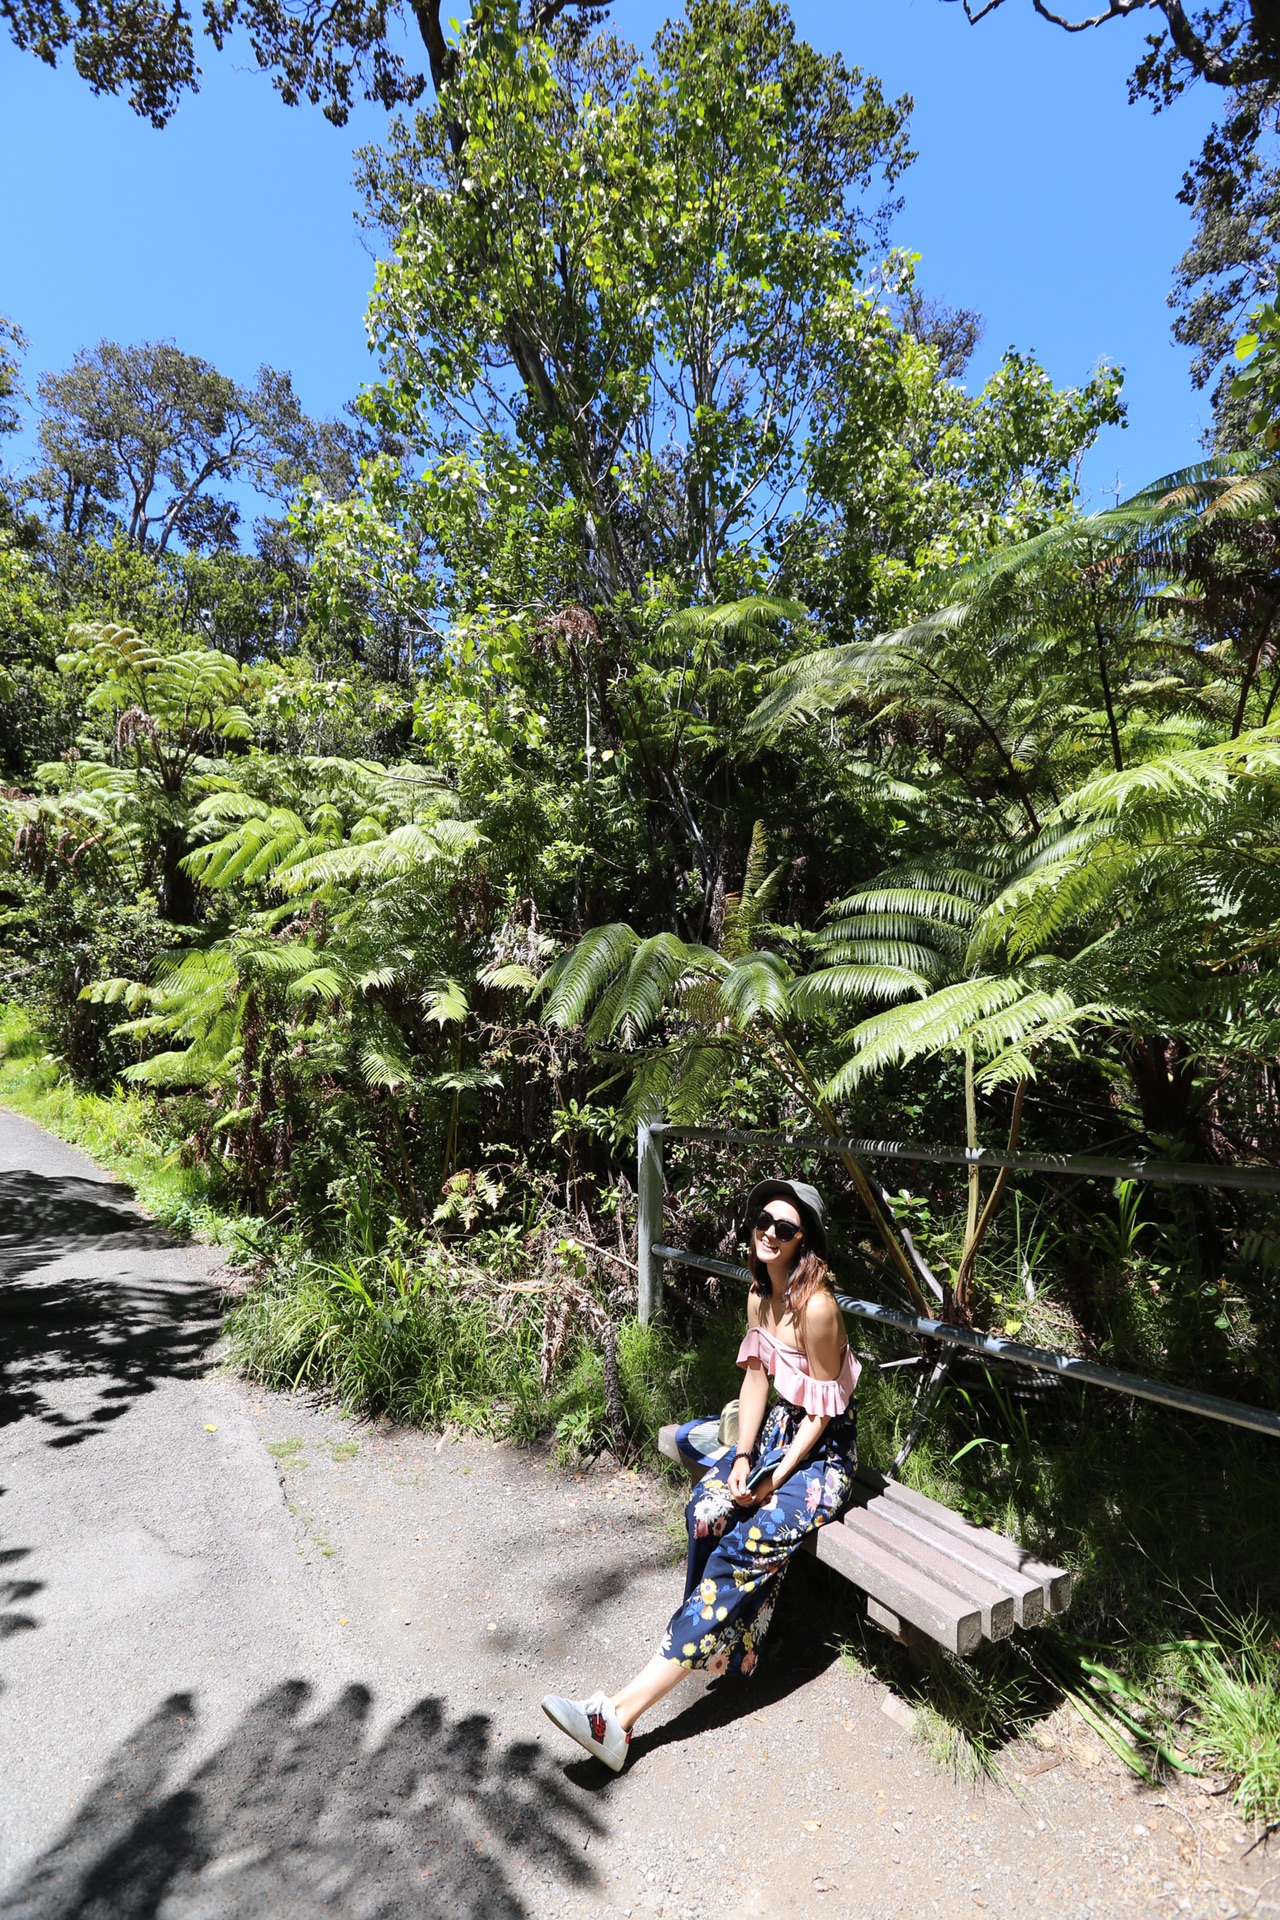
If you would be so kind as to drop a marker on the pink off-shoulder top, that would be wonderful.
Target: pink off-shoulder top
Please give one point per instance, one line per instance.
(789, 1370)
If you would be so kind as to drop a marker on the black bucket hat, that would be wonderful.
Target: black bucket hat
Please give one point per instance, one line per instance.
(807, 1202)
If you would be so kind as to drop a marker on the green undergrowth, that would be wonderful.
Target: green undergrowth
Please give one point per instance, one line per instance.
(430, 1337)
(127, 1133)
(1234, 1687)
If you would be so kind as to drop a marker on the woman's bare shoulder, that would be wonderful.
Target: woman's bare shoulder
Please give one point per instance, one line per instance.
(753, 1309)
(823, 1319)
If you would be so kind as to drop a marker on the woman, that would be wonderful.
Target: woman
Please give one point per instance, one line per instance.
(802, 1448)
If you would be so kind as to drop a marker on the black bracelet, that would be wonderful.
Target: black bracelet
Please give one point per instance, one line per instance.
(741, 1456)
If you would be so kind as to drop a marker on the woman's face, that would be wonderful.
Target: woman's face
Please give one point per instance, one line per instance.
(770, 1246)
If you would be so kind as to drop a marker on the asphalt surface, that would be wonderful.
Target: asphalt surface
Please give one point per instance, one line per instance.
(256, 1660)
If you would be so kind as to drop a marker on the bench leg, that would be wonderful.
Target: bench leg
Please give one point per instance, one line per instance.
(900, 1630)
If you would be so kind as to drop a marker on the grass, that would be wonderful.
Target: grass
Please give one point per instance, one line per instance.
(427, 1339)
(123, 1131)
(1233, 1691)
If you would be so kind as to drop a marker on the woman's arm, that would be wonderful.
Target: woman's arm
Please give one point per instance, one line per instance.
(824, 1342)
(753, 1398)
(808, 1434)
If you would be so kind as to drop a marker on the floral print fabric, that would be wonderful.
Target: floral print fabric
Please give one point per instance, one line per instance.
(737, 1556)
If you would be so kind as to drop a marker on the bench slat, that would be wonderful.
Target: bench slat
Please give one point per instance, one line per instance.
(993, 1601)
(911, 1594)
(1023, 1588)
(1055, 1581)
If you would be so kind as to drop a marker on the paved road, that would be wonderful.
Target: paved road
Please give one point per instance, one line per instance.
(183, 1726)
(257, 1663)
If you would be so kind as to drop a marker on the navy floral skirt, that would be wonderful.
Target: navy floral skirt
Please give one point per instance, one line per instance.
(737, 1556)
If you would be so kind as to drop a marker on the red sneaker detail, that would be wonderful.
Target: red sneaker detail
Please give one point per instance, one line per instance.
(596, 1722)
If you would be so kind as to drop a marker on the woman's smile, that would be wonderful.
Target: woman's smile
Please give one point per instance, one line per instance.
(769, 1245)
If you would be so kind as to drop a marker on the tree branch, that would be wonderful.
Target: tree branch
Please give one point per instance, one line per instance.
(1259, 60)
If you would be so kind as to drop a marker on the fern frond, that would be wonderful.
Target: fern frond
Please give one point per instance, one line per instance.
(846, 985)
(446, 1001)
(756, 986)
(734, 620)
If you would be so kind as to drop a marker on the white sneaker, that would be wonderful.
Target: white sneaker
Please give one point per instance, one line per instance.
(593, 1724)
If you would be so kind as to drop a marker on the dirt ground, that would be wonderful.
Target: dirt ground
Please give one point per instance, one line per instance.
(501, 1576)
(259, 1660)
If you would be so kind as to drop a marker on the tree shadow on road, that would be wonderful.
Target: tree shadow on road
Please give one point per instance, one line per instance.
(43, 1216)
(296, 1817)
(77, 1350)
(14, 1591)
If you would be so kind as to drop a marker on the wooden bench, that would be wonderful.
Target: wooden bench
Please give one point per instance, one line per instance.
(925, 1571)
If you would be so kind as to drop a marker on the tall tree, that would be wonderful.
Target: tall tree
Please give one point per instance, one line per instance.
(631, 276)
(139, 437)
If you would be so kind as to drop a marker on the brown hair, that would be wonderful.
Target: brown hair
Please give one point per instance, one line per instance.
(809, 1273)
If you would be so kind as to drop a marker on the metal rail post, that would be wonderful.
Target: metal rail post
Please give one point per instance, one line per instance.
(649, 1189)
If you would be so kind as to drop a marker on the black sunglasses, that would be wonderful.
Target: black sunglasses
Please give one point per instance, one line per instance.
(782, 1230)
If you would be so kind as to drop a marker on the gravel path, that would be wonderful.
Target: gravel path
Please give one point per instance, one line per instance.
(256, 1660)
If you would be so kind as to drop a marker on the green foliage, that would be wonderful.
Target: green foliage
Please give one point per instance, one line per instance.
(696, 698)
(678, 691)
(1259, 381)
(1235, 1691)
(426, 1337)
(385, 1338)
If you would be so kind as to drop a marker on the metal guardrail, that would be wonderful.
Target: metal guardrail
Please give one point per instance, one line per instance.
(1172, 1173)
(993, 1346)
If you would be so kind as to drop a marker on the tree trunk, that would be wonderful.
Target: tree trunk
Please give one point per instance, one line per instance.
(1170, 1102)
(177, 888)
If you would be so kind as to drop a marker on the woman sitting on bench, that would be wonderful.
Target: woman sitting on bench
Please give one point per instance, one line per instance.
(792, 1470)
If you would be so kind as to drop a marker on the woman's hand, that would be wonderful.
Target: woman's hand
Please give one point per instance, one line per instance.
(749, 1497)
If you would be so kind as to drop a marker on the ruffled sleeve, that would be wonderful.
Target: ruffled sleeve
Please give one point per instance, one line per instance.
(750, 1349)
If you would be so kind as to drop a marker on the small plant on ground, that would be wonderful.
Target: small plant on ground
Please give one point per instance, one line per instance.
(1233, 1690)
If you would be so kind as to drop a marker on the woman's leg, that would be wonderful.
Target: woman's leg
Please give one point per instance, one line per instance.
(734, 1573)
(723, 1622)
(653, 1683)
(709, 1511)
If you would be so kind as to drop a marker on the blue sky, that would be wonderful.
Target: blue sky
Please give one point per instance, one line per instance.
(1040, 197)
